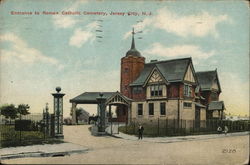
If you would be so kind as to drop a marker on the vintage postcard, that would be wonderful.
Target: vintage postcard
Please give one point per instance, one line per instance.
(124, 82)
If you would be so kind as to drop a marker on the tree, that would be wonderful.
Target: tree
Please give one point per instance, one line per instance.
(23, 109)
(9, 111)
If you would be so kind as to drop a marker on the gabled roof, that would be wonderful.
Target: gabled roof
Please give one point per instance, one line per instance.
(90, 97)
(151, 73)
(172, 70)
(216, 105)
(207, 78)
(117, 95)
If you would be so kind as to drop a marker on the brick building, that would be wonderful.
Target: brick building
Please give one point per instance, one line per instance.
(161, 89)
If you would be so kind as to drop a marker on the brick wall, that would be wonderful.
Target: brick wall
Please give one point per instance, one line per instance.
(173, 91)
(131, 68)
(139, 96)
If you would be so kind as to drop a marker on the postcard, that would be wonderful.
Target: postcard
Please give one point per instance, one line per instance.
(124, 82)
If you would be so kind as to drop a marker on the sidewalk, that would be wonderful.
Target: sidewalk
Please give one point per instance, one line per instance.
(46, 150)
(170, 139)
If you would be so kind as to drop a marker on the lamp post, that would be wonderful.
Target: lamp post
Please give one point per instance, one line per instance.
(58, 112)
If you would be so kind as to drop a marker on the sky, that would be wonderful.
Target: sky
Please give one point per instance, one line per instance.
(48, 48)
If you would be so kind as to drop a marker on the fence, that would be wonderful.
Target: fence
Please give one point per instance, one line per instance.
(24, 130)
(173, 127)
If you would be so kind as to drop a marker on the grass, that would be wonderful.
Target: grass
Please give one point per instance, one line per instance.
(12, 138)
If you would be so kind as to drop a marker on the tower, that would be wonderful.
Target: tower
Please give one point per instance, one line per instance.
(131, 67)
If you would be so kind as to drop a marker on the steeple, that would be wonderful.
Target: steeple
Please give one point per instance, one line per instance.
(133, 51)
(133, 40)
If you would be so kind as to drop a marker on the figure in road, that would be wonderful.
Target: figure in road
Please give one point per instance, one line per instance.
(219, 130)
(140, 131)
(225, 130)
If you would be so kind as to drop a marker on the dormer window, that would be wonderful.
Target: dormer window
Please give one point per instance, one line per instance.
(187, 90)
(156, 90)
(137, 90)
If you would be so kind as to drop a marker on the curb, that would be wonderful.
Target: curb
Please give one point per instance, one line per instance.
(185, 138)
(42, 154)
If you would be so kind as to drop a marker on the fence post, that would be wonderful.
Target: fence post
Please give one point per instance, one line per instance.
(134, 126)
(185, 127)
(193, 126)
(174, 126)
(158, 126)
(181, 131)
(166, 127)
(126, 127)
(118, 127)
(20, 129)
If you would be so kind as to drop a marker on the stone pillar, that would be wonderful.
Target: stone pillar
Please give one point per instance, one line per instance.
(102, 110)
(58, 112)
(129, 114)
(73, 111)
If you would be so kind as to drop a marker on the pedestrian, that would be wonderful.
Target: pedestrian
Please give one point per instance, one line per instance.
(225, 130)
(219, 130)
(140, 131)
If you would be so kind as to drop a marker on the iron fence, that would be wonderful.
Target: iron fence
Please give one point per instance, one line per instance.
(173, 127)
(24, 130)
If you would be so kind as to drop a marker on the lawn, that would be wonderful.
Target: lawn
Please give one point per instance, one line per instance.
(10, 137)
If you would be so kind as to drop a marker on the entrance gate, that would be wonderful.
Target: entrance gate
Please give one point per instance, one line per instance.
(103, 100)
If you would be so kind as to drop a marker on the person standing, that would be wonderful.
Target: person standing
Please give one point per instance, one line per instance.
(140, 131)
(219, 130)
(225, 130)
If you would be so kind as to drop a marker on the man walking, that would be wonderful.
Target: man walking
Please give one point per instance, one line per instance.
(140, 131)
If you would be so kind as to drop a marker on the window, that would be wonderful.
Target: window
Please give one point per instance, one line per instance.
(139, 109)
(126, 70)
(163, 108)
(156, 90)
(187, 105)
(151, 108)
(137, 90)
(187, 90)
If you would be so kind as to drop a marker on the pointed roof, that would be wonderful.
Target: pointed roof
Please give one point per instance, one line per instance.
(207, 78)
(172, 70)
(117, 97)
(133, 50)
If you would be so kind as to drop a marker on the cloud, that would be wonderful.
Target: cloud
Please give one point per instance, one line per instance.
(62, 21)
(22, 52)
(178, 51)
(199, 25)
(235, 93)
(139, 27)
(67, 21)
(80, 36)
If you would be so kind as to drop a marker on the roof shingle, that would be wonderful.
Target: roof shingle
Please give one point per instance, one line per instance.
(206, 79)
(216, 105)
(172, 70)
